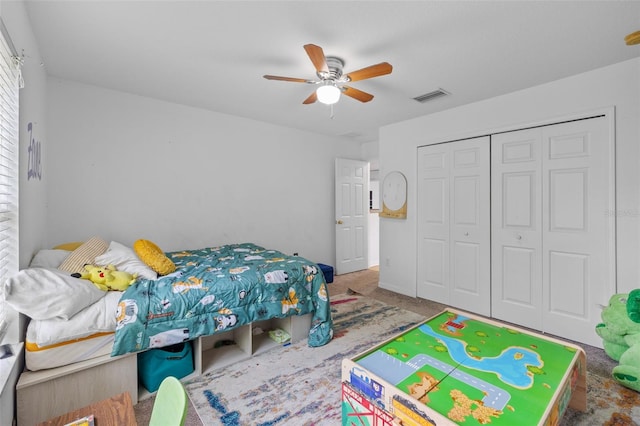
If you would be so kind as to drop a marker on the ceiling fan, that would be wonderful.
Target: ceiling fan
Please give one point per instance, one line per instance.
(332, 81)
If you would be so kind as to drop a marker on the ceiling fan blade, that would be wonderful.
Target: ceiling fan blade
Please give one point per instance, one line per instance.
(377, 70)
(295, 80)
(311, 99)
(357, 94)
(317, 57)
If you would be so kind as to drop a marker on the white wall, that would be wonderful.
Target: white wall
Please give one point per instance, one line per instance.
(373, 247)
(370, 152)
(617, 85)
(126, 167)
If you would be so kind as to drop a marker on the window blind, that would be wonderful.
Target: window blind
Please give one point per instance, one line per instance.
(9, 86)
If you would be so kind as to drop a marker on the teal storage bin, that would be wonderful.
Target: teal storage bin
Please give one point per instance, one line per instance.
(156, 364)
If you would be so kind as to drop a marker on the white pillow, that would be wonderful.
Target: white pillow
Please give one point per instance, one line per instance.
(97, 318)
(48, 258)
(125, 259)
(42, 293)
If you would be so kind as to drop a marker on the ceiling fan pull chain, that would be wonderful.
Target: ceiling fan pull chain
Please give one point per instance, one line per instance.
(331, 113)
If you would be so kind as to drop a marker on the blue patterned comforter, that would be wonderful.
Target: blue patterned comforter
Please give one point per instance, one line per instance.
(217, 289)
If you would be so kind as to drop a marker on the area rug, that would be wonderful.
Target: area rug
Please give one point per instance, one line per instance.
(608, 404)
(298, 385)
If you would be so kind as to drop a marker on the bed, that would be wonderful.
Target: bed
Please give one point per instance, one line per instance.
(217, 289)
(212, 290)
(79, 335)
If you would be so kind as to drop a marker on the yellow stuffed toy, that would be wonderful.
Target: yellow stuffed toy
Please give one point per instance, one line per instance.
(107, 278)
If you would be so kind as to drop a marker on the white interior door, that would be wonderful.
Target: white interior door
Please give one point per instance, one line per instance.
(516, 228)
(352, 209)
(454, 224)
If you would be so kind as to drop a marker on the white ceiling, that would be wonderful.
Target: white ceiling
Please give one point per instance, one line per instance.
(213, 54)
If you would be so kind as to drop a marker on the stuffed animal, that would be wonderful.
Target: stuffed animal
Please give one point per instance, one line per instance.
(107, 277)
(620, 332)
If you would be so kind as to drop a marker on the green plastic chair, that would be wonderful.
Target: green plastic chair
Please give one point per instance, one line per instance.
(170, 406)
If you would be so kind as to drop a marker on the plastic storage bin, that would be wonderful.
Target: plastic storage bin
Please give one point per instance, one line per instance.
(156, 364)
(327, 271)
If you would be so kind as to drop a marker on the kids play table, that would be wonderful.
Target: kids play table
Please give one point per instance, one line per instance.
(458, 368)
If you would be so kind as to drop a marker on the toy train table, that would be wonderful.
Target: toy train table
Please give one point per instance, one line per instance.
(457, 368)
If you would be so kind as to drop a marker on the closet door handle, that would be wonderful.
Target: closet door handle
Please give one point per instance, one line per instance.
(518, 237)
(466, 234)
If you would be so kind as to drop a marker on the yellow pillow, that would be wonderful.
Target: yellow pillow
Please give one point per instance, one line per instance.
(151, 254)
(69, 246)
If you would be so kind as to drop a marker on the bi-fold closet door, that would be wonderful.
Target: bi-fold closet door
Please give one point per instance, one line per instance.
(553, 251)
(518, 226)
(454, 224)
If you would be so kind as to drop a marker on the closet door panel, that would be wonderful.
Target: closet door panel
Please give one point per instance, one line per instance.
(436, 272)
(433, 224)
(568, 200)
(577, 232)
(466, 265)
(454, 224)
(470, 231)
(519, 200)
(518, 269)
(568, 285)
(516, 228)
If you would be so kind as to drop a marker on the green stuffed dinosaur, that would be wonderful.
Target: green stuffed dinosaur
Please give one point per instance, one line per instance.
(620, 332)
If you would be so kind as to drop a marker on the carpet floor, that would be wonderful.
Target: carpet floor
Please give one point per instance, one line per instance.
(297, 385)
(253, 390)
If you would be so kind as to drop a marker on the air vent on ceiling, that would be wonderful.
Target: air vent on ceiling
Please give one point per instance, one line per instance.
(431, 95)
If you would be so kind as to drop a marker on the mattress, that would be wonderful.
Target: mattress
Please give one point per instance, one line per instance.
(88, 334)
(65, 353)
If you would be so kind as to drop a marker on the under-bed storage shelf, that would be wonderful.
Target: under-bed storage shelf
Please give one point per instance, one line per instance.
(226, 348)
(222, 349)
(44, 394)
(261, 342)
(49, 393)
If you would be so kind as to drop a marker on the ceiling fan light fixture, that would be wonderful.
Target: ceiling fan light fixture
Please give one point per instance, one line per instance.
(328, 94)
(330, 83)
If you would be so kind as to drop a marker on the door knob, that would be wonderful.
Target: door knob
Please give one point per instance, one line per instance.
(518, 237)
(339, 222)
(466, 234)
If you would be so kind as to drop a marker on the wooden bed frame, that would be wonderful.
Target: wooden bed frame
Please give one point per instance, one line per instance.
(44, 394)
